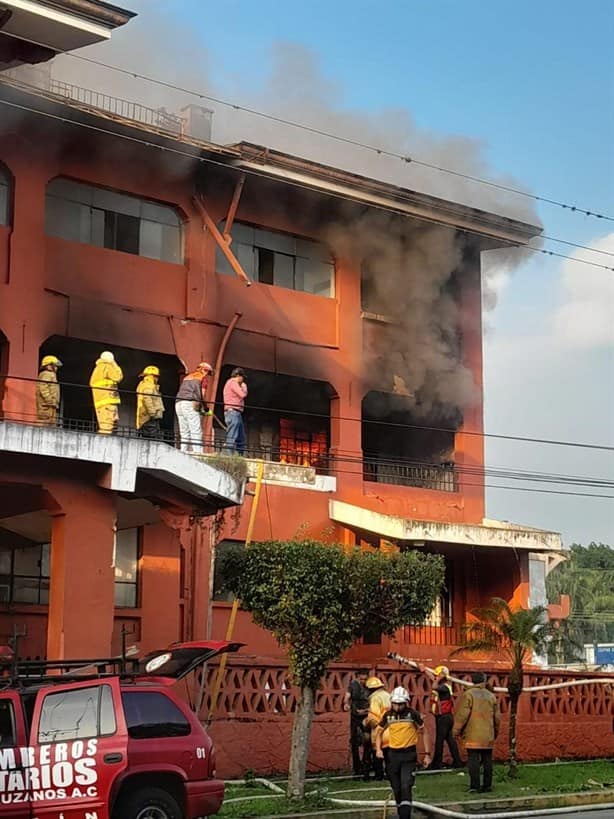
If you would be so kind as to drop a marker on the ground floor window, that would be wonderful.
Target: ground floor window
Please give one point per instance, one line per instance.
(220, 592)
(24, 573)
(127, 557)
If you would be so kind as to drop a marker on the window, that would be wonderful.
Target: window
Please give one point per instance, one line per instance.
(281, 260)
(80, 713)
(7, 725)
(127, 568)
(5, 197)
(220, 592)
(24, 574)
(151, 715)
(97, 216)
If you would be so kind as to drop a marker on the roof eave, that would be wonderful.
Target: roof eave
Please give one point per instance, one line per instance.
(369, 191)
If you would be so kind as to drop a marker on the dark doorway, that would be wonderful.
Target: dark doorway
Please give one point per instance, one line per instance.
(401, 448)
(287, 419)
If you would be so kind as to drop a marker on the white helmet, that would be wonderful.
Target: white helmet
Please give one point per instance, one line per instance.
(400, 695)
(107, 356)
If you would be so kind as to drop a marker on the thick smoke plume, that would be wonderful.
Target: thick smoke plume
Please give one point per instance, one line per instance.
(409, 272)
(407, 280)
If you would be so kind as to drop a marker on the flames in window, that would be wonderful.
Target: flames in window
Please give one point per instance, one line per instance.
(302, 446)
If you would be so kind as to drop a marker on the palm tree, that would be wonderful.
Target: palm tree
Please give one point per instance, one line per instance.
(517, 634)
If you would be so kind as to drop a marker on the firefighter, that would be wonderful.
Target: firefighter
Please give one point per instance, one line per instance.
(149, 404)
(104, 381)
(379, 704)
(356, 701)
(442, 708)
(401, 728)
(48, 391)
(477, 723)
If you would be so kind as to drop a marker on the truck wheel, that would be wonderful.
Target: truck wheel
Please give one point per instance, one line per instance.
(151, 803)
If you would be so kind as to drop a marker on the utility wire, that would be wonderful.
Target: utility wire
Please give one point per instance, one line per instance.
(337, 137)
(327, 417)
(289, 182)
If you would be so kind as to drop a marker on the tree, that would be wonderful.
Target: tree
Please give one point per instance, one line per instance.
(317, 599)
(588, 578)
(517, 634)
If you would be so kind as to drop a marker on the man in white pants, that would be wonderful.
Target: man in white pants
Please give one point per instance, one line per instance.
(189, 405)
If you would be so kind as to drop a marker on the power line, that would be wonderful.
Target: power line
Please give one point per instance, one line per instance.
(335, 469)
(481, 434)
(290, 182)
(337, 137)
(332, 417)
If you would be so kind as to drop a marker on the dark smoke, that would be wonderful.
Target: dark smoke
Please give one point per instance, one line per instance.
(409, 271)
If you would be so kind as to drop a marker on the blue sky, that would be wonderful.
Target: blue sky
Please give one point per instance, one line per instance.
(532, 83)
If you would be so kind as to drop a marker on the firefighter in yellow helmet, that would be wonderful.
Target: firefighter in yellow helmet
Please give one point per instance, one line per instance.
(149, 404)
(104, 381)
(48, 391)
(379, 705)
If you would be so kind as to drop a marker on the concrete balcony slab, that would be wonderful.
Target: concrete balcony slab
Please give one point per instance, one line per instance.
(126, 458)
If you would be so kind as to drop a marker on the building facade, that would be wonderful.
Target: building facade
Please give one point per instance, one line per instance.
(353, 306)
(115, 234)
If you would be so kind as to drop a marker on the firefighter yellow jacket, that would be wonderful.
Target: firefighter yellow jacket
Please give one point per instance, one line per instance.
(104, 381)
(149, 404)
(47, 390)
(477, 718)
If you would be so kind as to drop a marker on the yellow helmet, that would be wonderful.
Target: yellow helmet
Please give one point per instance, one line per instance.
(374, 682)
(51, 359)
(442, 671)
(151, 370)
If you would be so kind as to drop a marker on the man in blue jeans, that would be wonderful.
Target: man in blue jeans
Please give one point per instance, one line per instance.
(235, 393)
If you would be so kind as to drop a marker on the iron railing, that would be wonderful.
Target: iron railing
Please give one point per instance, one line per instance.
(158, 118)
(441, 478)
(431, 635)
(297, 450)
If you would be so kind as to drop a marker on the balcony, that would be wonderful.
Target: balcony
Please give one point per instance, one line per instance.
(127, 457)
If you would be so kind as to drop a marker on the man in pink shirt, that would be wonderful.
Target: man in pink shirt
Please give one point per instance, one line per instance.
(235, 393)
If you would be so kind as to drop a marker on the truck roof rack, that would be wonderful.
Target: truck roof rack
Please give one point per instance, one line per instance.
(17, 673)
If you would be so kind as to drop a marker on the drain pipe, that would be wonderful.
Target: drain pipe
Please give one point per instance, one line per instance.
(216, 373)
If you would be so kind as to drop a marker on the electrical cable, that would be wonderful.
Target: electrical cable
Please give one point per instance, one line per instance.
(418, 482)
(331, 417)
(289, 182)
(337, 137)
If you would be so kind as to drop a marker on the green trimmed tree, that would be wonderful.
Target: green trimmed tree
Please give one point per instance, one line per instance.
(317, 599)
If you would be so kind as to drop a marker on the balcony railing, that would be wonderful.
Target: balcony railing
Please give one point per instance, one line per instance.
(298, 447)
(428, 635)
(441, 478)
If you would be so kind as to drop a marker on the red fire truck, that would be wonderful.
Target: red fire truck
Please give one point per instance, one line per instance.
(106, 738)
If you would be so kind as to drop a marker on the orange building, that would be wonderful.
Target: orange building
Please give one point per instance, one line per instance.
(365, 396)
(126, 229)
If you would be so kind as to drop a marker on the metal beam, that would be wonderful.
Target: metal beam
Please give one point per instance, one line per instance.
(232, 210)
(223, 245)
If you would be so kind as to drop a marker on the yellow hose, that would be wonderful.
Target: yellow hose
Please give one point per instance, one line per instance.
(235, 606)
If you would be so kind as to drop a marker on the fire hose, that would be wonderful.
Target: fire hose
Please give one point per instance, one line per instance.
(434, 810)
(550, 686)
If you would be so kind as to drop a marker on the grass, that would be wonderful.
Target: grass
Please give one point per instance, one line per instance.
(533, 780)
